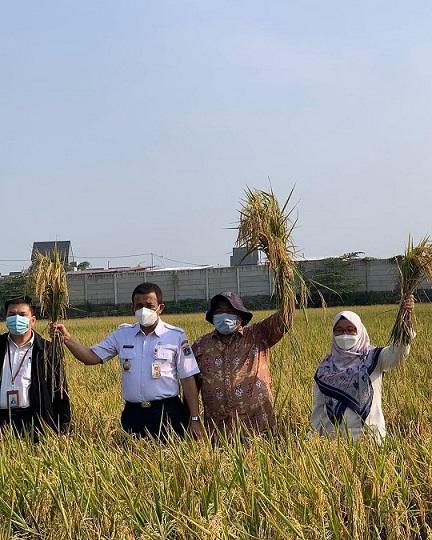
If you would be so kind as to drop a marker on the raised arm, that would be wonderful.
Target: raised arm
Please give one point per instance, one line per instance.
(393, 355)
(272, 329)
(81, 352)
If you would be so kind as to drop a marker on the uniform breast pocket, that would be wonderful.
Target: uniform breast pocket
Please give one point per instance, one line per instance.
(127, 362)
(166, 356)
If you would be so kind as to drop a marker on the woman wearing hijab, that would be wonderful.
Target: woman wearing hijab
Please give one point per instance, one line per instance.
(348, 382)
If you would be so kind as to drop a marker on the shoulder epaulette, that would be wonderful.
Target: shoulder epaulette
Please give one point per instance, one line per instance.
(125, 325)
(171, 327)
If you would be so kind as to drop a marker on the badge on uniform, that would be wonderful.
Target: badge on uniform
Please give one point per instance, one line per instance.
(186, 348)
(156, 370)
(12, 397)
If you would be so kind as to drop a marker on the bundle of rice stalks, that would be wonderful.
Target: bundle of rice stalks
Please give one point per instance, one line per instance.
(49, 283)
(414, 267)
(265, 226)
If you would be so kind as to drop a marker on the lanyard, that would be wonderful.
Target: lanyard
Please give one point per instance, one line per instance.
(13, 377)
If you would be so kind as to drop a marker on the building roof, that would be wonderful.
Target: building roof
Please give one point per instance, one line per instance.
(46, 248)
(120, 270)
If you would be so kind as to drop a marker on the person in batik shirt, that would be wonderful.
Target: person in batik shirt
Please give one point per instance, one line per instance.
(234, 365)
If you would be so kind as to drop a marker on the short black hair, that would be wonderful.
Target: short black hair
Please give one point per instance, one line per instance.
(20, 300)
(146, 288)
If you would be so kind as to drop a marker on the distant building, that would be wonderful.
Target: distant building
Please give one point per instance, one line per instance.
(239, 257)
(47, 248)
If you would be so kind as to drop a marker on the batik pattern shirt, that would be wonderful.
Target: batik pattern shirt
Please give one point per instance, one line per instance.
(235, 375)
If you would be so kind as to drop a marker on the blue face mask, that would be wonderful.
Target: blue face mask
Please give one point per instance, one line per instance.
(17, 324)
(225, 323)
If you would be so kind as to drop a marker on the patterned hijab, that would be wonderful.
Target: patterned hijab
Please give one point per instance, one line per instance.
(343, 376)
(349, 359)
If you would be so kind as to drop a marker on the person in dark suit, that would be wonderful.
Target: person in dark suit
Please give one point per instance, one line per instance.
(31, 396)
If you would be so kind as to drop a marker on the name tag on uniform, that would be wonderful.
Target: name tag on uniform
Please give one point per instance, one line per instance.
(156, 370)
(12, 399)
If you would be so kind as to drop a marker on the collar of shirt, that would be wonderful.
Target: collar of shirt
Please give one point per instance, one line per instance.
(159, 330)
(27, 345)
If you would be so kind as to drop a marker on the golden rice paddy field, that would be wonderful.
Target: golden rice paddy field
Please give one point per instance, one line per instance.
(98, 482)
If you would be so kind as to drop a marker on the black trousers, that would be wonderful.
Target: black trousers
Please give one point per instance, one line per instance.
(154, 420)
(21, 421)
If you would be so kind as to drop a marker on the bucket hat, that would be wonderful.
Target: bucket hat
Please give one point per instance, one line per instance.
(236, 303)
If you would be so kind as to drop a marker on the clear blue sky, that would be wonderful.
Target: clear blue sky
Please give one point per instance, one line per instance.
(134, 126)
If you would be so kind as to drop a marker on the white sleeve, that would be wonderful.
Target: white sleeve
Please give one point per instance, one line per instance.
(318, 409)
(391, 356)
(107, 348)
(186, 361)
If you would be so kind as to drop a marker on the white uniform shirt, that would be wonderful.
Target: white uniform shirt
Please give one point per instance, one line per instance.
(165, 346)
(389, 357)
(23, 379)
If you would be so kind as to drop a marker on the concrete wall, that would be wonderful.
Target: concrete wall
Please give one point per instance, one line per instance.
(201, 284)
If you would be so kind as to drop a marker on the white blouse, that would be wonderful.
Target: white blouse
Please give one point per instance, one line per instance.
(23, 376)
(389, 357)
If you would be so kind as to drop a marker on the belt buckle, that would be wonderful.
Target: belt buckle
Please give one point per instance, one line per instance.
(145, 404)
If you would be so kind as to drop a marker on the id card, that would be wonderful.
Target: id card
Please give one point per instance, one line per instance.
(156, 370)
(12, 397)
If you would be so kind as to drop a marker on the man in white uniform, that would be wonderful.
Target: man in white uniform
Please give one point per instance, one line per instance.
(153, 357)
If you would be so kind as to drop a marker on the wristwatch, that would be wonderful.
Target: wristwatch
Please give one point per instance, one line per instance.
(195, 418)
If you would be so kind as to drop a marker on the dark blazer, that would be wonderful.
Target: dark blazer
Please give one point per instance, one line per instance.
(51, 409)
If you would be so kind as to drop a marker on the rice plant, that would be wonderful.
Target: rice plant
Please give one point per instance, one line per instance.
(49, 281)
(266, 226)
(414, 267)
(98, 482)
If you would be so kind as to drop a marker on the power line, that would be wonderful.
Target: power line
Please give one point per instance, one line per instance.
(117, 257)
(87, 257)
(177, 261)
(113, 256)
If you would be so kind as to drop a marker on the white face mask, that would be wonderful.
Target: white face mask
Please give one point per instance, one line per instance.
(346, 341)
(146, 317)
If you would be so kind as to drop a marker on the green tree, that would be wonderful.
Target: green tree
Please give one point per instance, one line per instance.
(13, 286)
(83, 265)
(69, 267)
(336, 274)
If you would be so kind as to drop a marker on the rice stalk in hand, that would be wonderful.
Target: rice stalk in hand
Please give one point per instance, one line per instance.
(50, 285)
(414, 267)
(266, 226)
